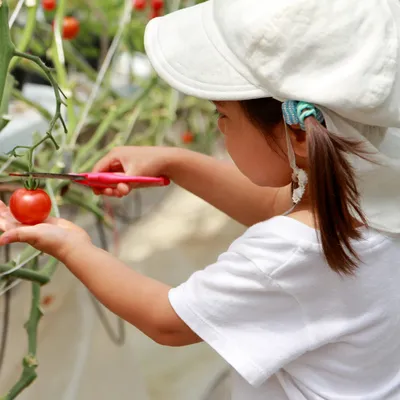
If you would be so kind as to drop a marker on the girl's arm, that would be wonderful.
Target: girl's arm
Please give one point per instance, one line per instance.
(221, 184)
(139, 300)
(218, 182)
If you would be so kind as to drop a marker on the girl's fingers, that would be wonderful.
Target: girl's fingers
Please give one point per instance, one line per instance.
(123, 189)
(23, 234)
(116, 193)
(120, 191)
(7, 238)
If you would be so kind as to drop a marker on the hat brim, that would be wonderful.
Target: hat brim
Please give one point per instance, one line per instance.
(187, 51)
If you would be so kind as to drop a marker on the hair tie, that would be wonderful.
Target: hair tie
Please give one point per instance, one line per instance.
(296, 112)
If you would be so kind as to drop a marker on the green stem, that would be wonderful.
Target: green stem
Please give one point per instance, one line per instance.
(57, 91)
(30, 151)
(29, 28)
(57, 50)
(4, 117)
(6, 47)
(50, 268)
(25, 273)
(29, 362)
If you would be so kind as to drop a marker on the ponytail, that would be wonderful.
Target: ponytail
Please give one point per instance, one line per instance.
(334, 195)
(335, 199)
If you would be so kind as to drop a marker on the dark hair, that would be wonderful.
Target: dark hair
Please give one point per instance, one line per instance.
(333, 192)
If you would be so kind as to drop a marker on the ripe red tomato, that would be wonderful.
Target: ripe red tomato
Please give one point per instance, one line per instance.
(188, 137)
(49, 5)
(71, 28)
(139, 4)
(30, 207)
(157, 4)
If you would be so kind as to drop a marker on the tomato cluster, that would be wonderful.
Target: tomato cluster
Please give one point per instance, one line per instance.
(156, 6)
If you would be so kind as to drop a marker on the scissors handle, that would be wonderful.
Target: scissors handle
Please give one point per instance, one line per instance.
(109, 179)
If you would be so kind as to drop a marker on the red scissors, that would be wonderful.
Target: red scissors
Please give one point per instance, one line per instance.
(99, 179)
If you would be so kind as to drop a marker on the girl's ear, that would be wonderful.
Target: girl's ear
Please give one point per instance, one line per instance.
(299, 140)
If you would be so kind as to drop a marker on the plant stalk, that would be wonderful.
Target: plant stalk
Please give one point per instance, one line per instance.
(30, 362)
(6, 47)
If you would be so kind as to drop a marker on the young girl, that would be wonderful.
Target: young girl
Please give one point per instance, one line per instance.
(306, 304)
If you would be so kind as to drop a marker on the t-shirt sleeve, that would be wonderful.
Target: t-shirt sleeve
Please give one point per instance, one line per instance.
(244, 315)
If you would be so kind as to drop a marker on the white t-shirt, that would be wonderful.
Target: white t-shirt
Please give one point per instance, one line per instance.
(290, 326)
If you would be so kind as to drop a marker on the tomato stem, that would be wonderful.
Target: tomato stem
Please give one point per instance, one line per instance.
(57, 90)
(48, 270)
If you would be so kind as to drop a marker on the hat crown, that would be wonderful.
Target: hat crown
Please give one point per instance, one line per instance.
(340, 54)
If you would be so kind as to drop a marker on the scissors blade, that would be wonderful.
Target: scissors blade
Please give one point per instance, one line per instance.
(70, 177)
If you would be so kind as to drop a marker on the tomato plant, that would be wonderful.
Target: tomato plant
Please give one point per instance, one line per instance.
(30, 207)
(49, 5)
(95, 124)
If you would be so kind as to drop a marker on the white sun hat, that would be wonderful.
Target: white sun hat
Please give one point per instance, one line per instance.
(341, 55)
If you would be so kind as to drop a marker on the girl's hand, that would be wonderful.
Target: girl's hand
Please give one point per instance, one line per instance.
(56, 237)
(139, 161)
